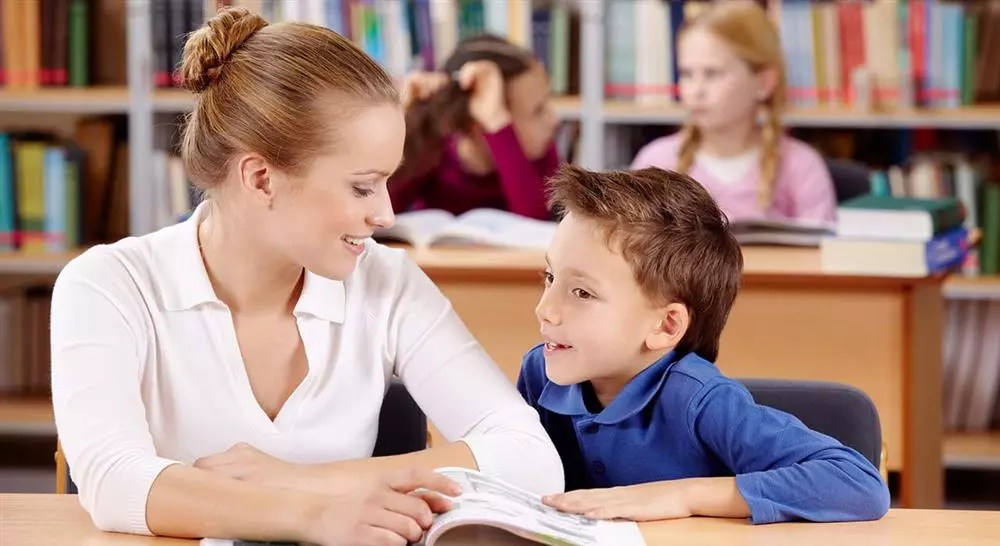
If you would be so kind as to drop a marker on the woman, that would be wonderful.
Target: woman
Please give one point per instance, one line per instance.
(223, 376)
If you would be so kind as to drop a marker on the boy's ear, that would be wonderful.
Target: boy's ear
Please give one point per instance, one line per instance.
(671, 329)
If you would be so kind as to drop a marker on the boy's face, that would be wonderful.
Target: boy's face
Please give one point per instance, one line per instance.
(597, 323)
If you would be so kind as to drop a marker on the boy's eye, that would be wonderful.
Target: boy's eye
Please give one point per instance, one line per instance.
(362, 192)
(582, 294)
(547, 278)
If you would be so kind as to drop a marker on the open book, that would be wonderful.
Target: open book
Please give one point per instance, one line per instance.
(490, 511)
(478, 227)
(781, 232)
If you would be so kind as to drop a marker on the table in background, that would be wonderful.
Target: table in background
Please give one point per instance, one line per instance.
(58, 520)
(791, 320)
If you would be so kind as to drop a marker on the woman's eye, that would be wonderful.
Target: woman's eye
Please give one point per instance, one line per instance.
(547, 278)
(362, 192)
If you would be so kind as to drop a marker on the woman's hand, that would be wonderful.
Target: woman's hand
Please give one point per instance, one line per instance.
(487, 101)
(247, 463)
(397, 511)
(420, 86)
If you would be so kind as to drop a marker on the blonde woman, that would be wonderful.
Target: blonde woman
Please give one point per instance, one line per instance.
(223, 377)
(732, 86)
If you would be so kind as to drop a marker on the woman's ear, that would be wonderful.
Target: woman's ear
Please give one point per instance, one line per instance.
(674, 322)
(255, 179)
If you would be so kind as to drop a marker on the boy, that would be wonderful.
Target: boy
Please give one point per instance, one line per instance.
(641, 276)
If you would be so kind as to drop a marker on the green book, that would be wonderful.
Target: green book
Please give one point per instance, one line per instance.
(79, 52)
(884, 216)
(989, 246)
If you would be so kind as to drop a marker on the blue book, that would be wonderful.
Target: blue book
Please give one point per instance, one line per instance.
(54, 180)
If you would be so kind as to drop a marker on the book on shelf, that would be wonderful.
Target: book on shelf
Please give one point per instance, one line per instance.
(401, 36)
(477, 227)
(491, 507)
(881, 54)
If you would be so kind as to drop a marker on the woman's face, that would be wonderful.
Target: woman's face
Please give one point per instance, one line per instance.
(323, 218)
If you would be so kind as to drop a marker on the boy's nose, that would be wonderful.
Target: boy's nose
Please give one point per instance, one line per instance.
(545, 313)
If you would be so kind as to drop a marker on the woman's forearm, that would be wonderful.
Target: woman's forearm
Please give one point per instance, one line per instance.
(193, 503)
(454, 454)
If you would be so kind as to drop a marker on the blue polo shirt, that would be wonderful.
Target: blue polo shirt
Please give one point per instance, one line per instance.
(681, 418)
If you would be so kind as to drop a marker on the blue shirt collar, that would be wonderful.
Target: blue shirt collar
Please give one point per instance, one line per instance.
(637, 394)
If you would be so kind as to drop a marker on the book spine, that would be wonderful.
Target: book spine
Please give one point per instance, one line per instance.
(947, 218)
(8, 205)
(947, 250)
(78, 64)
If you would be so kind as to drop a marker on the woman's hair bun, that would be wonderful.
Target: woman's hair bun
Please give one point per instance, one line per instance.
(208, 48)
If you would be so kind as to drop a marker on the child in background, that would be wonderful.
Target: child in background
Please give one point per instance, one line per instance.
(640, 279)
(732, 85)
(479, 133)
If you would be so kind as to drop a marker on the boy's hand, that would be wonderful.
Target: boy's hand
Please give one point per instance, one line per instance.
(715, 497)
(645, 502)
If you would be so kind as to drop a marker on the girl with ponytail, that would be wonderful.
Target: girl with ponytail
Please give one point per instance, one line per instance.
(479, 133)
(732, 85)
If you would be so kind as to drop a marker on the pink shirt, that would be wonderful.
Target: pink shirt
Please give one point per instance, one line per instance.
(803, 189)
(517, 185)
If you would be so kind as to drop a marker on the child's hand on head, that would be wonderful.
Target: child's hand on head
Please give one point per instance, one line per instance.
(644, 502)
(419, 86)
(487, 103)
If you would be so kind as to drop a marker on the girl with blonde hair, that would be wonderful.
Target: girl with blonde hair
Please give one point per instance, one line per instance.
(732, 86)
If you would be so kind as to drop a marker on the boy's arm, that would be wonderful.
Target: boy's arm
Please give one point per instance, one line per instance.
(784, 471)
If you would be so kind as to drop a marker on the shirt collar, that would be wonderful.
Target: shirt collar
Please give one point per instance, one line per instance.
(637, 394)
(186, 284)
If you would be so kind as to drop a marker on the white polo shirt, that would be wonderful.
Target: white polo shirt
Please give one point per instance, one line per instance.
(147, 372)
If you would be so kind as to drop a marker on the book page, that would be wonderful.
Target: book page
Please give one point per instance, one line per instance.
(781, 232)
(417, 227)
(488, 501)
(783, 225)
(496, 228)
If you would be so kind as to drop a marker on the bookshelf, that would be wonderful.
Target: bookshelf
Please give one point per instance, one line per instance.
(34, 263)
(969, 117)
(170, 101)
(82, 100)
(26, 416)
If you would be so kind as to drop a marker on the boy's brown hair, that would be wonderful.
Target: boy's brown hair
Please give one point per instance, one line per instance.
(673, 235)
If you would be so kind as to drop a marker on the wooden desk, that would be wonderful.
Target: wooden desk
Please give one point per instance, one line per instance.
(882, 335)
(58, 520)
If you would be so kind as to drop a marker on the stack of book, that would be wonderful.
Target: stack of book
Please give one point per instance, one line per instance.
(897, 236)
